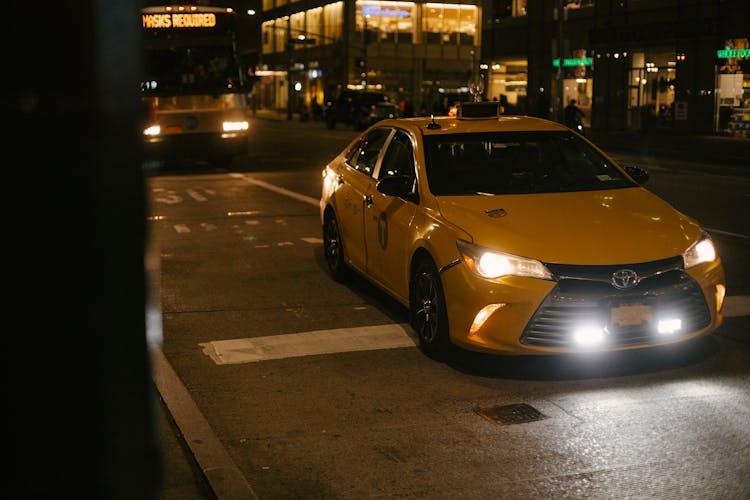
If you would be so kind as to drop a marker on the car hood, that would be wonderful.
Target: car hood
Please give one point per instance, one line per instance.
(619, 226)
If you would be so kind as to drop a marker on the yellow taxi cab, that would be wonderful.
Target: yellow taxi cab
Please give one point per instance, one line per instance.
(516, 235)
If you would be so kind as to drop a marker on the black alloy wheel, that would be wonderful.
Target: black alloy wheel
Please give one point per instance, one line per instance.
(333, 248)
(429, 317)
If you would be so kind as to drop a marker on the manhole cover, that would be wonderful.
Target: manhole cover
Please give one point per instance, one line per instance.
(511, 414)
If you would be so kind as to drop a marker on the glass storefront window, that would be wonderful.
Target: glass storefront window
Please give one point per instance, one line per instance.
(507, 82)
(314, 25)
(298, 25)
(273, 36)
(651, 89)
(386, 21)
(449, 23)
(577, 4)
(508, 8)
(519, 8)
(333, 22)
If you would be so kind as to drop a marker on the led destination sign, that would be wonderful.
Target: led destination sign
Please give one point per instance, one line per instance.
(179, 20)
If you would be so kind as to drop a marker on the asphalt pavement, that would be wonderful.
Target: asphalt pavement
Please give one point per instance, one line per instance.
(194, 463)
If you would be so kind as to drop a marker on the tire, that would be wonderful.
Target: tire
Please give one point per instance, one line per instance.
(427, 311)
(333, 248)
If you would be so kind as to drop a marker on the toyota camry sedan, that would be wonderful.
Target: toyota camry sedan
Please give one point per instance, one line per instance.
(516, 235)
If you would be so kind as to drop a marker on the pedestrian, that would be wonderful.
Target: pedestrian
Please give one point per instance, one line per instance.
(574, 116)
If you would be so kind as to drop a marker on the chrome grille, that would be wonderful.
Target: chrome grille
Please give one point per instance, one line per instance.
(584, 294)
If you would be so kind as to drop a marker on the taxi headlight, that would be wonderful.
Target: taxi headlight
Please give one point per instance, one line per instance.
(701, 251)
(490, 263)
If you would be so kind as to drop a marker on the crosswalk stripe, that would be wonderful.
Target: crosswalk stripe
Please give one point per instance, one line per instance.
(250, 350)
(366, 338)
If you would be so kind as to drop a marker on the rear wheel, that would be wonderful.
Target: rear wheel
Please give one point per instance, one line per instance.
(333, 248)
(429, 316)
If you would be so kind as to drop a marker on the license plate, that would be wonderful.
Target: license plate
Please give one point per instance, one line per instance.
(629, 315)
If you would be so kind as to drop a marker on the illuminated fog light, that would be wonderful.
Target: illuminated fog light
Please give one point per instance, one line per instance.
(235, 126)
(483, 315)
(720, 294)
(669, 326)
(589, 335)
(152, 130)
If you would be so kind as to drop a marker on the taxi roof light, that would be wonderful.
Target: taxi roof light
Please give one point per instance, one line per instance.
(482, 109)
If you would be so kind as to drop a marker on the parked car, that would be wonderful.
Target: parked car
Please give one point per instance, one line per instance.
(352, 108)
(515, 235)
(382, 111)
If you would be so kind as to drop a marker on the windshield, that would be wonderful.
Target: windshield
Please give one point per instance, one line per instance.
(191, 70)
(515, 163)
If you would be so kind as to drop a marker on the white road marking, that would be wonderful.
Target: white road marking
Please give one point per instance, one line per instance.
(242, 213)
(181, 228)
(281, 190)
(207, 226)
(736, 305)
(727, 233)
(313, 241)
(366, 338)
(251, 350)
(196, 195)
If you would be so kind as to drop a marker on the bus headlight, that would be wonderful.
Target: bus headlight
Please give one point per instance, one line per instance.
(235, 126)
(152, 130)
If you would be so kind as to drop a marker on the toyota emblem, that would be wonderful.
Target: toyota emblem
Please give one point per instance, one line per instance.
(625, 278)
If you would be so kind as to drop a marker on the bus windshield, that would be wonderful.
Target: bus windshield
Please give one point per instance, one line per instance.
(186, 70)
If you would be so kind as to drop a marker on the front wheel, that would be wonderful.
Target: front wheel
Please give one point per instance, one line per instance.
(427, 309)
(333, 248)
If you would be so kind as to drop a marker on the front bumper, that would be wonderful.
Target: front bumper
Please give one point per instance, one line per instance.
(206, 146)
(543, 317)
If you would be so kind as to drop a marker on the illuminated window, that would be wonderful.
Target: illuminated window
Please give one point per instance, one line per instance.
(386, 21)
(577, 4)
(333, 22)
(315, 25)
(449, 23)
(267, 30)
(297, 25)
(274, 35)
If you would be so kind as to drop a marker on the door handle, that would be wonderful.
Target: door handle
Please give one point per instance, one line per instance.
(368, 200)
(340, 179)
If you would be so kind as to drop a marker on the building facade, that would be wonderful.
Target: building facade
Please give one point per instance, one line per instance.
(681, 65)
(421, 52)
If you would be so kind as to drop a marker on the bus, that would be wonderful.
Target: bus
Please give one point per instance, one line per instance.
(193, 86)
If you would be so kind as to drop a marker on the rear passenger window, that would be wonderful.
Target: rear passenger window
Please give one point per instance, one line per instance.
(399, 158)
(366, 156)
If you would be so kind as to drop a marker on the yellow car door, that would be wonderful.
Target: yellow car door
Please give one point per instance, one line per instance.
(388, 218)
(353, 194)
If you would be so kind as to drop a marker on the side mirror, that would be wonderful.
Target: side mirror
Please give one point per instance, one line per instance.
(400, 186)
(638, 174)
